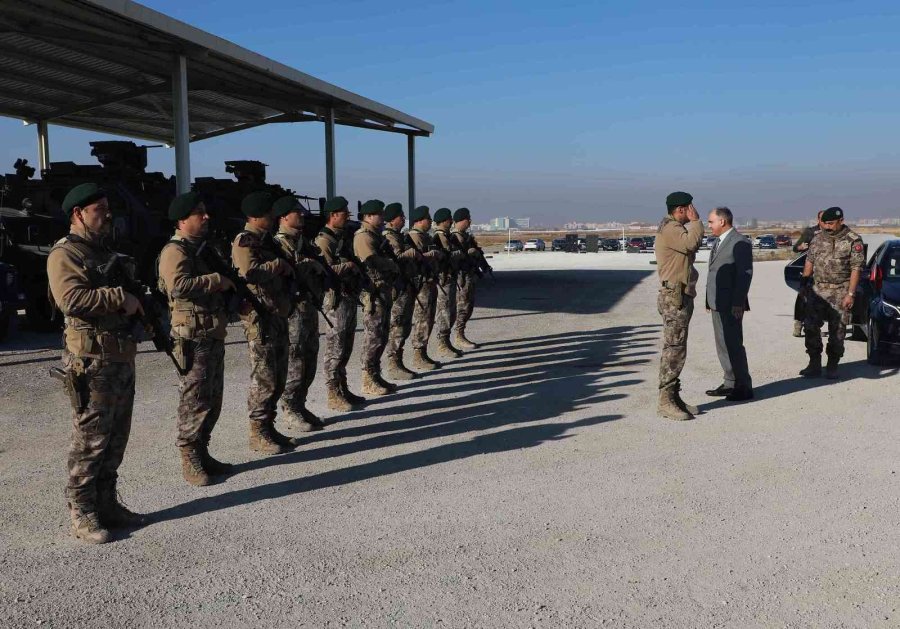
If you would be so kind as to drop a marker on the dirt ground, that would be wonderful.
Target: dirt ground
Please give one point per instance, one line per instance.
(528, 484)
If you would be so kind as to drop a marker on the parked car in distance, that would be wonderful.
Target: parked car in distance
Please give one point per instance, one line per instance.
(558, 244)
(649, 242)
(704, 242)
(767, 242)
(881, 326)
(636, 241)
(535, 244)
(758, 239)
(514, 245)
(609, 244)
(783, 240)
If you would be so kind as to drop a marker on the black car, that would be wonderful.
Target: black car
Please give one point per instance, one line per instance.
(882, 297)
(768, 242)
(609, 244)
(558, 244)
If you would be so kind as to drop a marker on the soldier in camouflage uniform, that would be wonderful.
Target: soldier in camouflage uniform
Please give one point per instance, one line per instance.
(341, 300)
(303, 323)
(199, 319)
(257, 259)
(445, 309)
(423, 313)
(467, 275)
(800, 246)
(98, 355)
(676, 248)
(404, 296)
(382, 275)
(834, 261)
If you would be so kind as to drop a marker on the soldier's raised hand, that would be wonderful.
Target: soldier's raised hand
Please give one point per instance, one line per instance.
(132, 305)
(692, 213)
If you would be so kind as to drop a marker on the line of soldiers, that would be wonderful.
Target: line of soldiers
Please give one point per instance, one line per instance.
(406, 283)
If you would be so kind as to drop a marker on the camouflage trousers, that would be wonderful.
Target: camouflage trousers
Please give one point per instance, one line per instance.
(823, 305)
(465, 300)
(423, 315)
(339, 340)
(201, 391)
(401, 321)
(303, 351)
(100, 433)
(445, 309)
(676, 312)
(268, 367)
(376, 324)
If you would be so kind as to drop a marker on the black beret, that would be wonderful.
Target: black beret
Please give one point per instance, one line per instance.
(182, 205)
(677, 199)
(419, 213)
(392, 211)
(832, 214)
(257, 204)
(82, 195)
(335, 204)
(285, 205)
(442, 215)
(462, 214)
(372, 206)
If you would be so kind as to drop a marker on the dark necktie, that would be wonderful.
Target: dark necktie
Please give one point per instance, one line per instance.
(712, 252)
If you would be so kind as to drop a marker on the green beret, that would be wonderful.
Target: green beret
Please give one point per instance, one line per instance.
(285, 205)
(423, 211)
(677, 199)
(832, 214)
(257, 204)
(392, 211)
(182, 205)
(335, 204)
(462, 214)
(442, 215)
(373, 206)
(82, 195)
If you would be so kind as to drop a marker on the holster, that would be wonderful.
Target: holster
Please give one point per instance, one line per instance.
(75, 387)
(183, 353)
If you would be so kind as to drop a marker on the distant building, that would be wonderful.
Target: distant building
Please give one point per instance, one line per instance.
(521, 223)
(501, 224)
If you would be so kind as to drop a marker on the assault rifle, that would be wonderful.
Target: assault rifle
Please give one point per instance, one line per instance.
(405, 279)
(301, 290)
(428, 272)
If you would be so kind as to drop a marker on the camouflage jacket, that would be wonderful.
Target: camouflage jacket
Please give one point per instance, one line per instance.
(256, 258)
(834, 256)
(676, 248)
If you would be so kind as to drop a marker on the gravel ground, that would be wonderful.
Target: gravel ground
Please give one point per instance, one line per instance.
(527, 484)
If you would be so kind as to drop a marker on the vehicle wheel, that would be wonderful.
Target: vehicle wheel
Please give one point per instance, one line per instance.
(874, 353)
(5, 320)
(38, 312)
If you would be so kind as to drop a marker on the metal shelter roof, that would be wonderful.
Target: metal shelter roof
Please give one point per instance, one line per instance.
(107, 65)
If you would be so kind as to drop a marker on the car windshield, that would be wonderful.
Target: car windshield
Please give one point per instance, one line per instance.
(890, 265)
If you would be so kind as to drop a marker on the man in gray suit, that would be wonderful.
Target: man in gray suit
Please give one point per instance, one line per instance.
(727, 285)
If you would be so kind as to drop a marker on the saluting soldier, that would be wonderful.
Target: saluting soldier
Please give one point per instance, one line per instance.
(834, 261)
(405, 297)
(199, 319)
(445, 308)
(466, 277)
(269, 276)
(678, 239)
(303, 323)
(423, 312)
(376, 295)
(98, 356)
(341, 300)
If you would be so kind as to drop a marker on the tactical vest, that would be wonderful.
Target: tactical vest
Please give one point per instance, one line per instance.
(294, 251)
(109, 337)
(200, 317)
(274, 293)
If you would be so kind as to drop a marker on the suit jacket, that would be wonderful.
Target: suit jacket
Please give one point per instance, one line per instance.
(730, 273)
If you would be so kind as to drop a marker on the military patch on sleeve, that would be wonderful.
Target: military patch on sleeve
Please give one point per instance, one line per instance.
(858, 247)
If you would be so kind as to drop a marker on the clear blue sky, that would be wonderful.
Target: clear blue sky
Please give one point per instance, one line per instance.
(577, 110)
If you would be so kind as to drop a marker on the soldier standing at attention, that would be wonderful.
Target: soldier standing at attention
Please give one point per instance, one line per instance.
(423, 313)
(676, 247)
(255, 256)
(445, 309)
(303, 324)
(340, 305)
(834, 262)
(465, 293)
(405, 298)
(98, 356)
(800, 246)
(199, 320)
(376, 297)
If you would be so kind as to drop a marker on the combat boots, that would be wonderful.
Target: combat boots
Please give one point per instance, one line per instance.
(668, 406)
(210, 464)
(690, 408)
(351, 397)
(798, 328)
(461, 341)
(814, 368)
(304, 421)
(113, 513)
(831, 368)
(336, 399)
(371, 386)
(261, 440)
(422, 362)
(397, 370)
(289, 443)
(311, 418)
(192, 465)
(445, 349)
(86, 526)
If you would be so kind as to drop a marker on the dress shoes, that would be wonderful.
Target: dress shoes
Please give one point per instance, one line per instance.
(720, 391)
(740, 394)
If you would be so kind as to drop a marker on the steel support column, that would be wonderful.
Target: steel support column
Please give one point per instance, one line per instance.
(330, 186)
(411, 171)
(181, 125)
(43, 145)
